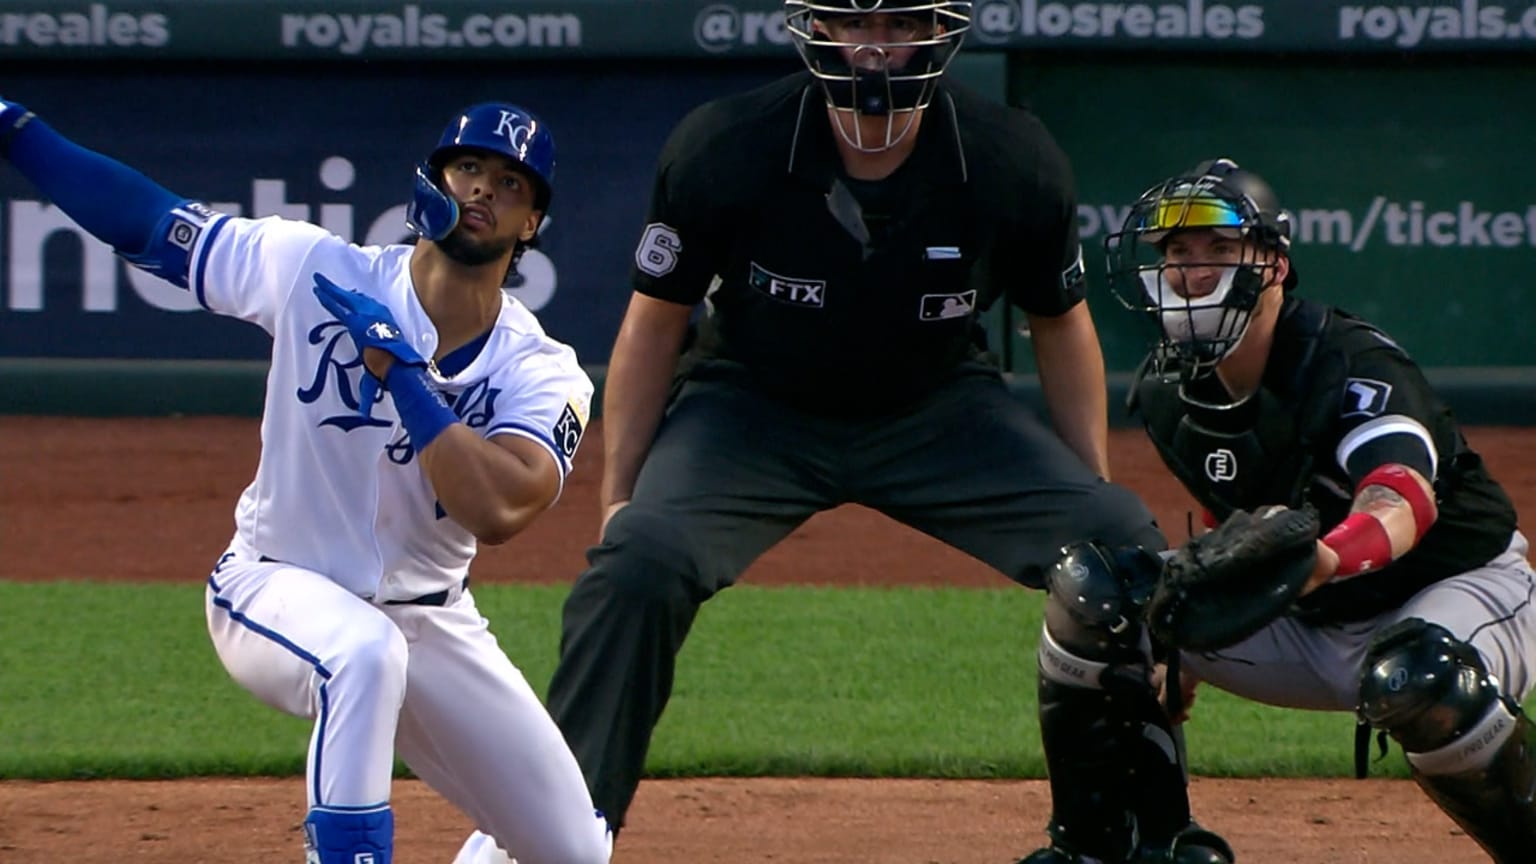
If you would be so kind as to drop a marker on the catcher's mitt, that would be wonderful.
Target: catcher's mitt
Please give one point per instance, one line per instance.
(1225, 585)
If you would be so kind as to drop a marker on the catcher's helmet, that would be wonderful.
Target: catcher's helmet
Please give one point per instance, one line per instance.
(1199, 331)
(862, 76)
(495, 127)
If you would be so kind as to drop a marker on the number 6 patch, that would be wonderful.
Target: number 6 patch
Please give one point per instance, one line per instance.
(658, 250)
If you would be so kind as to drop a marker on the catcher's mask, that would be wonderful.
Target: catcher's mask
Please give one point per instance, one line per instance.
(1198, 329)
(494, 127)
(893, 73)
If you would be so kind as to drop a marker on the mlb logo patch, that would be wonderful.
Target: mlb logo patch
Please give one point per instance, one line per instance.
(942, 307)
(1364, 397)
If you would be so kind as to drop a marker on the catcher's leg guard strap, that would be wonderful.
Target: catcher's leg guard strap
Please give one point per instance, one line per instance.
(1493, 804)
(1471, 749)
(1115, 774)
(334, 836)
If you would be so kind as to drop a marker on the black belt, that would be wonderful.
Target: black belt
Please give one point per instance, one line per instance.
(437, 598)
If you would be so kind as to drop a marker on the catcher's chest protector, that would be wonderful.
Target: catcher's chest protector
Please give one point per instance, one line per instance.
(1259, 453)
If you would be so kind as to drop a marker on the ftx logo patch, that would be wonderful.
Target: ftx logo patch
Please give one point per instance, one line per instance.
(1364, 397)
(799, 292)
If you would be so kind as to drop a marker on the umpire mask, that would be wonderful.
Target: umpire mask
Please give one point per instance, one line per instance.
(877, 58)
(1197, 329)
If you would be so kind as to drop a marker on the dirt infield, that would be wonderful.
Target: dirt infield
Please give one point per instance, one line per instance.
(158, 495)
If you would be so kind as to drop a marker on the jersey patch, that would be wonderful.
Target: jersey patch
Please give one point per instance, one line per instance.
(1074, 279)
(940, 307)
(169, 253)
(1364, 397)
(568, 430)
(658, 250)
(799, 292)
(1221, 466)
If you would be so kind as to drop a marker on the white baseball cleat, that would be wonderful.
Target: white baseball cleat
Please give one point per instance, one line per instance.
(481, 848)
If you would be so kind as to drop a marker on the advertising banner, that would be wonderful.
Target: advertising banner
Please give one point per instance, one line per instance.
(588, 29)
(340, 152)
(1408, 184)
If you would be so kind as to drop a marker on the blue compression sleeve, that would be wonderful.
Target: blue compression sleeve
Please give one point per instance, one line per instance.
(115, 203)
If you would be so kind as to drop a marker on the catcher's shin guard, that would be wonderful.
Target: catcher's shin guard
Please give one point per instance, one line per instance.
(349, 836)
(1117, 780)
(1471, 748)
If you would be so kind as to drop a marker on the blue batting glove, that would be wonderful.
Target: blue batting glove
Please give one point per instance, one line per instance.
(371, 325)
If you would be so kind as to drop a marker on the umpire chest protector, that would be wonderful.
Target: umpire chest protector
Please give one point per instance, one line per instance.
(1258, 451)
(851, 295)
(826, 276)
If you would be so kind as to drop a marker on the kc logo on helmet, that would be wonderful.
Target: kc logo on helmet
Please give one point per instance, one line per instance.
(720, 27)
(517, 135)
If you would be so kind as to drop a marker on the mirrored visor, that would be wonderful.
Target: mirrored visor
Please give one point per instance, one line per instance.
(1191, 211)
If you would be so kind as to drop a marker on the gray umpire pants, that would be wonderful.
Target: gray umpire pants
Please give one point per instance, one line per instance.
(732, 472)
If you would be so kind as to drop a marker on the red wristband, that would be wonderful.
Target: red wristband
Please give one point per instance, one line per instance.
(1361, 542)
(1397, 478)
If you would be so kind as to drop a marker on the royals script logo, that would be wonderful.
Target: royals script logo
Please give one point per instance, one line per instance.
(330, 369)
(474, 407)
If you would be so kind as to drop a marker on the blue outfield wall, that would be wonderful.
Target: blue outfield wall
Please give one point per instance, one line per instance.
(1351, 143)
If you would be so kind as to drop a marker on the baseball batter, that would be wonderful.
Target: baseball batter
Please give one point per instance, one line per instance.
(412, 410)
(1418, 615)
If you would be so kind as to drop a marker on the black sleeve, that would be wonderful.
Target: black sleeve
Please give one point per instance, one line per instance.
(1388, 414)
(1040, 259)
(681, 246)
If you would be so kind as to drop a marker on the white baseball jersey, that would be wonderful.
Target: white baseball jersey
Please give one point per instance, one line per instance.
(340, 494)
(340, 520)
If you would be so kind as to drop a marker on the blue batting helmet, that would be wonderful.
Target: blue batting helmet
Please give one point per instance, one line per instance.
(496, 127)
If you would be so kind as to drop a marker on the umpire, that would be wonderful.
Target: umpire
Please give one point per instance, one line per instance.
(844, 227)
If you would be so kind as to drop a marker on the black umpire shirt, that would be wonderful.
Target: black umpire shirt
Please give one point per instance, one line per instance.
(845, 296)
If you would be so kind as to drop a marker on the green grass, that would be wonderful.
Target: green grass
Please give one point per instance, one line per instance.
(111, 680)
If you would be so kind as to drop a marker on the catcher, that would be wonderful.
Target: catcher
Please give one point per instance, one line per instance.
(1363, 560)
